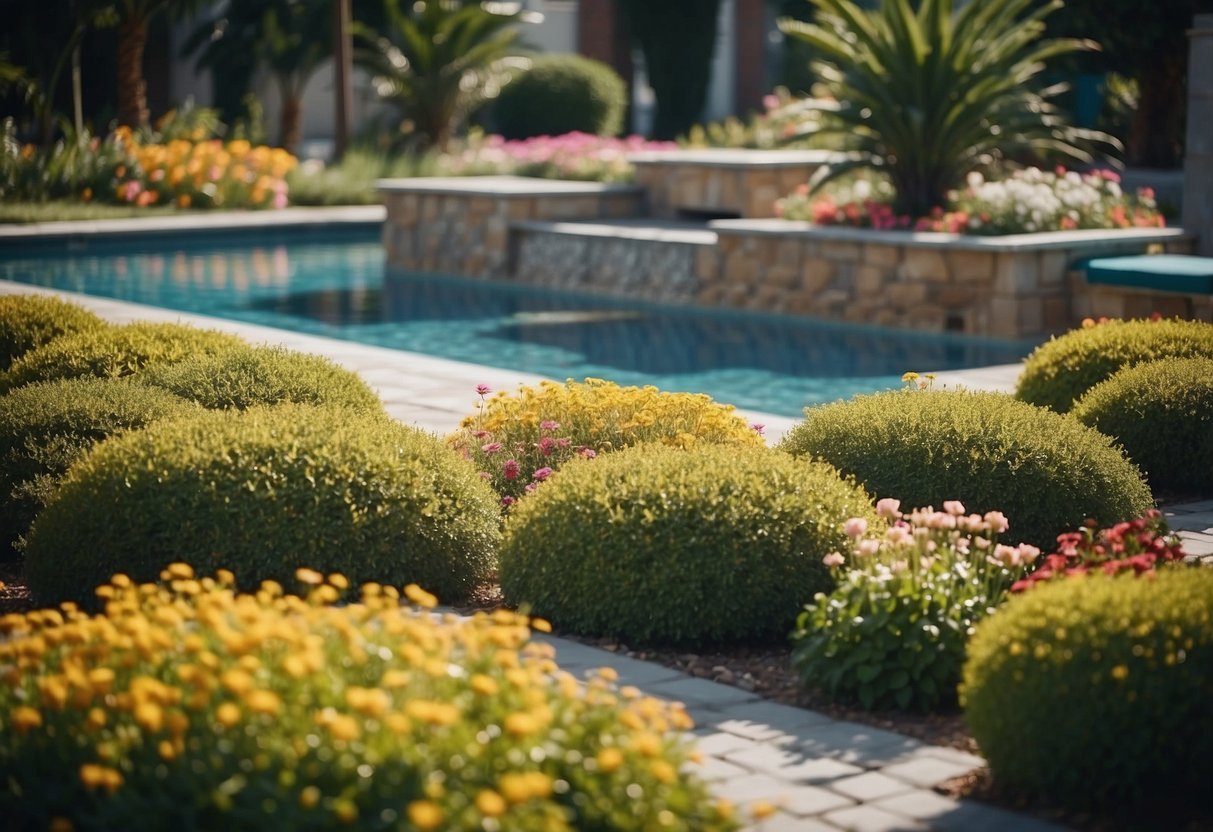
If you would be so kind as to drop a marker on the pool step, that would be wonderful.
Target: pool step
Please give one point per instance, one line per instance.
(648, 258)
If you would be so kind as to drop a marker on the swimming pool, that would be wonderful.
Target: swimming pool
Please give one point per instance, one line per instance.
(335, 284)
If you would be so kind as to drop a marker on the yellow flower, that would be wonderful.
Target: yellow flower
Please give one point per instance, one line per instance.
(24, 719)
(227, 714)
(490, 803)
(263, 702)
(609, 759)
(420, 597)
(309, 797)
(309, 576)
(663, 772)
(761, 809)
(425, 814)
(484, 685)
(520, 724)
(96, 776)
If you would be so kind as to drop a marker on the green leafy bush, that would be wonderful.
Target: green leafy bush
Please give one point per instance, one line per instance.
(187, 706)
(262, 491)
(45, 427)
(713, 544)
(562, 93)
(892, 633)
(113, 351)
(519, 439)
(1045, 471)
(29, 321)
(1060, 371)
(249, 376)
(1097, 690)
(1162, 413)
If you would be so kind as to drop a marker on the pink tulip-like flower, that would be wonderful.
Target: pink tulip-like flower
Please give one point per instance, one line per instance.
(531, 486)
(549, 425)
(491, 447)
(997, 521)
(586, 453)
(1028, 553)
(510, 469)
(542, 474)
(483, 389)
(1008, 555)
(482, 434)
(954, 507)
(867, 548)
(546, 445)
(507, 501)
(888, 508)
(855, 527)
(898, 535)
(833, 559)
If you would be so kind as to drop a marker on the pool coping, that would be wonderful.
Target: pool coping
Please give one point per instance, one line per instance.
(342, 216)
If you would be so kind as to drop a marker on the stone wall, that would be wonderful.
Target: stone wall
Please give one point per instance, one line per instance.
(461, 225)
(725, 182)
(1015, 286)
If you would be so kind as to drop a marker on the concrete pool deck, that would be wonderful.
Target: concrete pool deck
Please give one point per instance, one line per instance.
(818, 773)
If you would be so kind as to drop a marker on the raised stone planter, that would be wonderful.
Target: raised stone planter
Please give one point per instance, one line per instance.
(724, 182)
(1013, 286)
(461, 225)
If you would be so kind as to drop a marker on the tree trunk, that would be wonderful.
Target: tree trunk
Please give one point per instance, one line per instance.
(290, 122)
(132, 88)
(1156, 135)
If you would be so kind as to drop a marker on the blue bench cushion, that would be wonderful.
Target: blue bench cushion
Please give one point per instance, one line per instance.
(1165, 272)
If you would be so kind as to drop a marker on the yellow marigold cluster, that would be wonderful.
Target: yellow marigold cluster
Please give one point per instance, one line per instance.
(519, 439)
(322, 712)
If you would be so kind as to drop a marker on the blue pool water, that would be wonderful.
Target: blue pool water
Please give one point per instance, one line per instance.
(337, 286)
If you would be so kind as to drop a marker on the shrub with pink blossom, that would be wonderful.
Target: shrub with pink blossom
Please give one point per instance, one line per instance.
(892, 633)
(581, 156)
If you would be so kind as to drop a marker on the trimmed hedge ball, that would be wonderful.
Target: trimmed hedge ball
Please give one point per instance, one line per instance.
(1058, 372)
(263, 491)
(113, 351)
(714, 544)
(47, 426)
(1046, 472)
(29, 321)
(246, 377)
(562, 93)
(1097, 690)
(1162, 413)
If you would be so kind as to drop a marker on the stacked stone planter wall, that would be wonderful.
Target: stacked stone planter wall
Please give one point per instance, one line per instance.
(592, 237)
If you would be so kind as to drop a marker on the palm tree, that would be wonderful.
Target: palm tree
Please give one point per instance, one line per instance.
(440, 59)
(928, 96)
(291, 38)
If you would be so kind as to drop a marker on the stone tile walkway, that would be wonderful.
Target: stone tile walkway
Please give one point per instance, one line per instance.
(817, 772)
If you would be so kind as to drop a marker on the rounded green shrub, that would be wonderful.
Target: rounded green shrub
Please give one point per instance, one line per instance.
(245, 377)
(1046, 472)
(114, 351)
(45, 427)
(188, 706)
(261, 492)
(29, 321)
(1162, 413)
(653, 543)
(562, 93)
(1059, 371)
(1096, 690)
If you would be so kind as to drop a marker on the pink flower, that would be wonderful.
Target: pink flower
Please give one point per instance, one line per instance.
(542, 474)
(833, 559)
(855, 527)
(546, 445)
(279, 201)
(531, 486)
(997, 521)
(549, 425)
(954, 507)
(867, 548)
(491, 447)
(483, 389)
(898, 534)
(758, 428)
(507, 501)
(586, 453)
(482, 434)
(510, 469)
(888, 508)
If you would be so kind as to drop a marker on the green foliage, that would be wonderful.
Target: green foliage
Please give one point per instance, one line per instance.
(187, 706)
(1096, 690)
(1060, 371)
(519, 439)
(440, 59)
(75, 166)
(1046, 472)
(892, 633)
(715, 544)
(113, 351)
(29, 321)
(930, 91)
(47, 426)
(562, 93)
(263, 491)
(1162, 413)
(245, 377)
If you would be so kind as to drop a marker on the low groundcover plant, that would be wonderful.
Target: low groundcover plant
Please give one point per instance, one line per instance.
(892, 633)
(188, 705)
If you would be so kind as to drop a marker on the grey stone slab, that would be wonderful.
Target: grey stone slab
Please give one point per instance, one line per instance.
(857, 744)
(712, 769)
(1196, 506)
(702, 692)
(872, 819)
(795, 800)
(791, 764)
(927, 771)
(1196, 544)
(783, 822)
(765, 720)
(869, 786)
(1201, 521)
(945, 815)
(721, 743)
